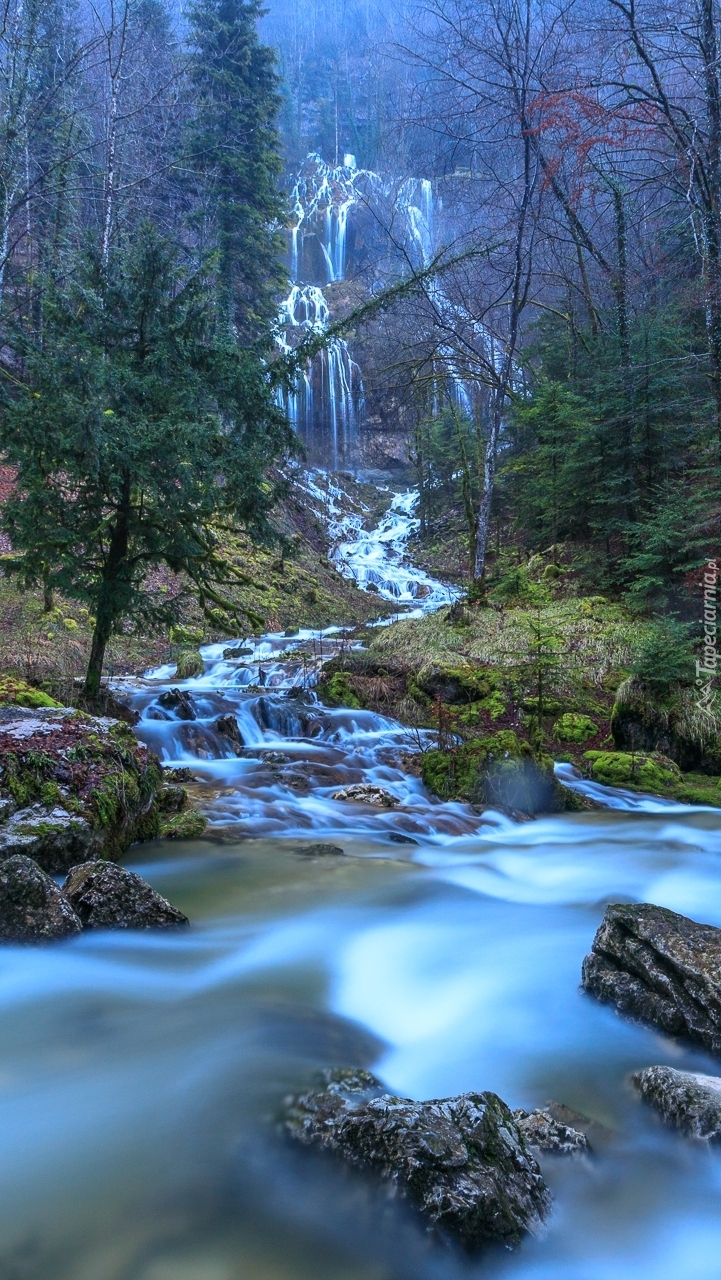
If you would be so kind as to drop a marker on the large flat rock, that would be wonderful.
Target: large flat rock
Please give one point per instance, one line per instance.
(660, 968)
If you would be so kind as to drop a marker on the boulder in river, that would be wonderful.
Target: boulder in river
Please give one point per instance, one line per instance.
(106, 896)
(367, 793)
(32, 908)
(689, 1101)
(72, 786)
(462, 1162)
(228, 727)
(179, 701)
(544, 1132)
(659, 967)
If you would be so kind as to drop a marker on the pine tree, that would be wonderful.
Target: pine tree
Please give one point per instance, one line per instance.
(138, 432)
(233, 154)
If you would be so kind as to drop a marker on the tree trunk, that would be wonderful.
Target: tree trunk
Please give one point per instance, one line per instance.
(112, 595)
(483, 524)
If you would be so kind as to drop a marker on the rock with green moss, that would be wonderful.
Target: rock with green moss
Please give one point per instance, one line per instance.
(500, 771)
(574, 727)
(15, 692)
(340, 691)
(655, 773)
(72, 786)
(183, 826)
(667, 720)
(189, 664)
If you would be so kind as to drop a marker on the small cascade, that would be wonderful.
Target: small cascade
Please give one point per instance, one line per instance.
(327, 405)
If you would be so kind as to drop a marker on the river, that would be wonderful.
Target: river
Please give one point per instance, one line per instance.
(140, 1074)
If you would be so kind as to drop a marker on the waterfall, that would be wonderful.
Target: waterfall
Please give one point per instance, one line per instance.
(326, 408)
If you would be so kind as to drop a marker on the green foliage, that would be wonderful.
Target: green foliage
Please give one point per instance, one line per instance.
(340, 691)
(140, 430)
(232, 158)
(189, 663)
(184, 826)
(546, 473)
(666, 656)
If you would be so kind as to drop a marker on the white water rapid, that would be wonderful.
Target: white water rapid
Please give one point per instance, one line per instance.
(140, 1074)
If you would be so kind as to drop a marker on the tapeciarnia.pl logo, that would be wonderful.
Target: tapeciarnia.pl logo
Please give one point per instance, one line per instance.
(707, 668)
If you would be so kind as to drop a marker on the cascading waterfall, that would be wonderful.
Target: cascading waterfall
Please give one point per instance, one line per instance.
(327, 407)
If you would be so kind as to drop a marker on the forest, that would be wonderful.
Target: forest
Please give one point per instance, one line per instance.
(360, 516)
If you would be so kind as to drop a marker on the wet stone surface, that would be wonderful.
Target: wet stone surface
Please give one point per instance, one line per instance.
(660, 968)
(462, 1162)
(106, 896)
(686, 1100)
(32, 908)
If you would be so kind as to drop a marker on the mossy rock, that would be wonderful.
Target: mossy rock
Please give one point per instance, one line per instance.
(459, 684)
(19, 693)
(654, 773)
(189, 665)
(574, 727)
(186, 635)
(699, 789)
(69, 768)
(184, 826)
(499, 771)
(669, 722)
(340, 691)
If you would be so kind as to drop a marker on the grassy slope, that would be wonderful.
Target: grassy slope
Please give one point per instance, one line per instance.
(300, 590)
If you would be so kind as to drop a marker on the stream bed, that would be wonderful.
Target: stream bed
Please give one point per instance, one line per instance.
(141, 1074)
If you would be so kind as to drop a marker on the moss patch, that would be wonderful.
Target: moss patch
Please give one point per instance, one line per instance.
(19, 693)
(573, 726)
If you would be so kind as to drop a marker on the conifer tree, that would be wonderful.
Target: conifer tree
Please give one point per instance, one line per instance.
(138, 432)
(233, 154)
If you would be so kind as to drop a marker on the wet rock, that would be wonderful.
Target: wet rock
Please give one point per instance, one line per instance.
(32, 908)
(661, 968)
(106, 896)
(544, 1132)
(397, 837)
(180, 774)
(367, 793)
(320, 850)
(462, 1162)
(274, 757)
(179, 701)
(172, 799)
(240, 652)
(228, 727)
(686, 1100)
(196, 741)
(72, 786)
(53, 836)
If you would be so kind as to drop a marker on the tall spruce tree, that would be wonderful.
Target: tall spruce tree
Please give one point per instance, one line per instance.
(233, 156)
(139, 432)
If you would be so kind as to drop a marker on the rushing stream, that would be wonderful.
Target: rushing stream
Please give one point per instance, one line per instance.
(141, 1073)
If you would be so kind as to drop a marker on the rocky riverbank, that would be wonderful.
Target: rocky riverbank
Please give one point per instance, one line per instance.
(507, 691)
(75, 786)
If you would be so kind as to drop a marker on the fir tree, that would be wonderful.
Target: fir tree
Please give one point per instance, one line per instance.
(234, 159)
(139, 432)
